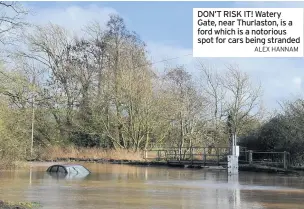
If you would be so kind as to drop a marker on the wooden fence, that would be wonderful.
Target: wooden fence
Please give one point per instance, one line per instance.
(217, 156)
(274, 159)
(203, 155)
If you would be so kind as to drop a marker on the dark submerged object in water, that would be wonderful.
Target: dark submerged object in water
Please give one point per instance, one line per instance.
(68, 171)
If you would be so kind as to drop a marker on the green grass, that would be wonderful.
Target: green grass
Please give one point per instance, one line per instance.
(19, 205)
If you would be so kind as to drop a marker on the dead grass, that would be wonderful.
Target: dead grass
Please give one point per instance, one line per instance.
(54, 152)
(5, 164)
(19, 205)
(9, 165)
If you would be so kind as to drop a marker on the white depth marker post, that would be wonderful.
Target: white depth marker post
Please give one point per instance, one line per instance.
(233, 160)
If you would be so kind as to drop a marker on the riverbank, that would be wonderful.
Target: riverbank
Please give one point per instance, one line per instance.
(267, 169)
(56, 152)
(20, 205)
(242, 167)
(71, 153)
(11, 165)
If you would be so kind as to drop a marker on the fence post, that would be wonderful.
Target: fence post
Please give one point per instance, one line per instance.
(250, 157)
(285, 160)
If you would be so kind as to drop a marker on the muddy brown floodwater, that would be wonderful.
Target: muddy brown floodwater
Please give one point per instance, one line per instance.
(123, 186)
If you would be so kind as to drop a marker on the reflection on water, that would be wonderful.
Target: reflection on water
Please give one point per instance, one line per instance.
(60, 175)
(121, 186)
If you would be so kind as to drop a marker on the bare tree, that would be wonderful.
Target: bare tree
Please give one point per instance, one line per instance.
(186, 106)
(12, 21)
(51, 47)
(214, 93)
(243, 98)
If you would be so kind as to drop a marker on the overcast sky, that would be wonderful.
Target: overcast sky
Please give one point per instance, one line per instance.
(166, 27)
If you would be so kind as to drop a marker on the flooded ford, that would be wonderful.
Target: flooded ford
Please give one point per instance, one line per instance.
(124, 186)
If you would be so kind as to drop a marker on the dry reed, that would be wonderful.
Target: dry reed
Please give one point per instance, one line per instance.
(54, 152)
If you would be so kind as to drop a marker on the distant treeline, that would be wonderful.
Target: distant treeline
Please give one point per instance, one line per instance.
(283, 132)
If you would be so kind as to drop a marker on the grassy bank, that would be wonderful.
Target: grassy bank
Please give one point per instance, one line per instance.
(19, 205)
(6, 164)
(71, 153)
(56, 152)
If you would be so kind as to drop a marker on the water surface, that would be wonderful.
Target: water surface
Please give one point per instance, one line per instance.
(123, 186)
